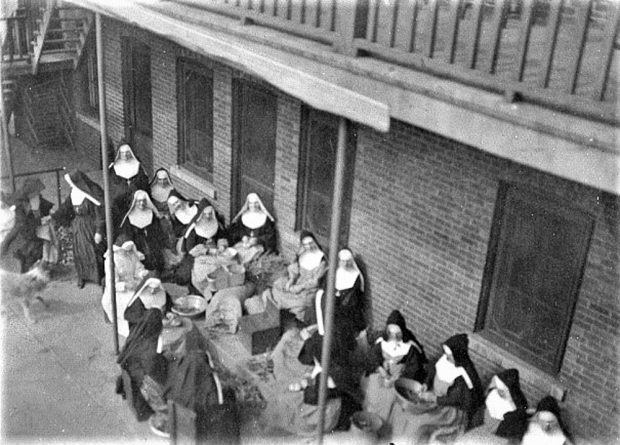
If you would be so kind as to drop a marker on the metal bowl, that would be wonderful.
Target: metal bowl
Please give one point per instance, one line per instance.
(189, 306)
(407, 391)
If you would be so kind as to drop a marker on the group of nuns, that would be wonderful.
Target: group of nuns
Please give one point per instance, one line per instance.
(412, 401)
(386, 379)
(161, 223)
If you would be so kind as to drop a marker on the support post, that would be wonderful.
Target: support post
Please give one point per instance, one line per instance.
(110, 284)
(331, 274)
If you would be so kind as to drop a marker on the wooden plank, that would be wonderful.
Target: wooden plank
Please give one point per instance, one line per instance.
(405, 25)
(431, 28)
(607, 51)
(296, 11)
(386, 21)
(499, 15)
(282, 9)
(549, 43)
(269, 7)
(524, 38)
(582, 14)
(311, 16)
(474, 37)
(371, 23)
(326, 18)
(453, 29)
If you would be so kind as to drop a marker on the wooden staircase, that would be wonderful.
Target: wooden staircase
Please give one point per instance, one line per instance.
(47, 114)
(47, 36)
(39, 45)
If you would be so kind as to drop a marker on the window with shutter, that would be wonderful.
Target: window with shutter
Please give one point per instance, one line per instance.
(534, 267)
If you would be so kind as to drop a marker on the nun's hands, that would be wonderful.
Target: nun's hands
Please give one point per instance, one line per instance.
(98, 238)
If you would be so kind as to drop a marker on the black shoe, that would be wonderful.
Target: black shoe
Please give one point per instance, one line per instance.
(80, 283)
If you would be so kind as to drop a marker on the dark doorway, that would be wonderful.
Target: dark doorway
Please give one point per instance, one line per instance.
(137, 99)
(254, 139)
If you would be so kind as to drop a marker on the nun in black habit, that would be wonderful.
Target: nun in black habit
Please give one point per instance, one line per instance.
(206, 229)
(295, 408)
(182, 213)
(254, 222)
(349, 302)
(161, 186)
(203, 233)
(505, 414)
(546, 425)
(139, 357)
(126, 176)
(454, 395)
(141, 225)
(83, 210)
(396, 354)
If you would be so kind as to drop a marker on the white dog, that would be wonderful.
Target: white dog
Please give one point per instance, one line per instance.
(24, 287)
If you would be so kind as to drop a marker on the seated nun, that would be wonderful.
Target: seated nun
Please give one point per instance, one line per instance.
(296, 292)
(141, 224)
(505, 414)
(255, 222)
(546, 426)
(204, 231)
(395, 354)
(150, 294)
(454, 395)
(349, 302)
(161, 187)
(139, 357)
(128, 273)
(295, 407)
(182, 213)
(126, 176)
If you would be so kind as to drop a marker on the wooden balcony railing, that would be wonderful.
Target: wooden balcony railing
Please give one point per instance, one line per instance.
(561, 53)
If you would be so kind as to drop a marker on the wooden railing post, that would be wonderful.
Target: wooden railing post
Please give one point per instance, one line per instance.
(345, 24)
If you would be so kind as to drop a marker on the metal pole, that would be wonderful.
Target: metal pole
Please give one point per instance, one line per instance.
(110, 285)
(5, 131)
(331, 274)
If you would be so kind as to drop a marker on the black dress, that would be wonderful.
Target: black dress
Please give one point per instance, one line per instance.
(265, 235)
(349, 313)
(85, 219)
(150, 240)
(122, 191)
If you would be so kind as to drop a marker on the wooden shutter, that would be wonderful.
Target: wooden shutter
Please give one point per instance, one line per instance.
(317, 167)
(541, 250)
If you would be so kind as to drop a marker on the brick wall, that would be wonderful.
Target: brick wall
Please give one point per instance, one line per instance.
(421, 219)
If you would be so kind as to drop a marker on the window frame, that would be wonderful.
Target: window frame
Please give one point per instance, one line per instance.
(493, 254)
(88, 95)
(183, 66)
(309, 115)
